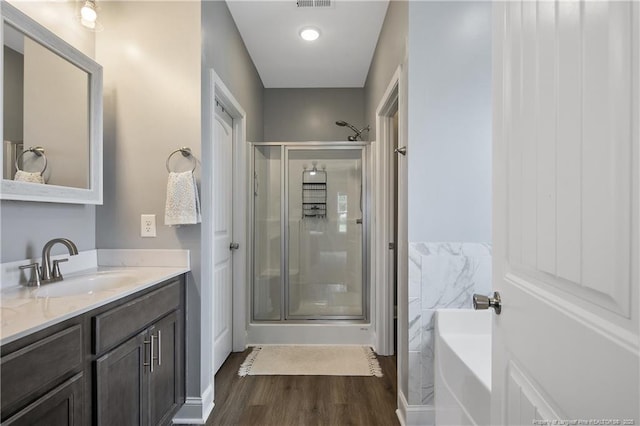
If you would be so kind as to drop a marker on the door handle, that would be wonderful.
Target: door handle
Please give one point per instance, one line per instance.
(481, 302)
(234, 246)
(401, 150)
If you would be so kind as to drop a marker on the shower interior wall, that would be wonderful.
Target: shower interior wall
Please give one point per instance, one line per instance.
(324, 254)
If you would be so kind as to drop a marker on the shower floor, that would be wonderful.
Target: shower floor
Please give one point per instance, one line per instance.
(324, 299)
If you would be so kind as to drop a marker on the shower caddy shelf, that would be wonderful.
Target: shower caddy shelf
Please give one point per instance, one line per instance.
(314, 193)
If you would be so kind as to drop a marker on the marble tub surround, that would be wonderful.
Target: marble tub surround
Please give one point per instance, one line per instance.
(441, 276)
(25, 310)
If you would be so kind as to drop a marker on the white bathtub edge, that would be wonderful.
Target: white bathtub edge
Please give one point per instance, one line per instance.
(456, 377)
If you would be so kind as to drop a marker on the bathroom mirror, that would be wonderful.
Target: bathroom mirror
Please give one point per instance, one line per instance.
(52, 100)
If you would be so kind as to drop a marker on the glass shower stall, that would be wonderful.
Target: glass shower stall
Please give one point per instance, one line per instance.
(309, 232)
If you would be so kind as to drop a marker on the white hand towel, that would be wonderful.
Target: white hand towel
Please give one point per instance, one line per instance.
(183, 203)
(23, 176)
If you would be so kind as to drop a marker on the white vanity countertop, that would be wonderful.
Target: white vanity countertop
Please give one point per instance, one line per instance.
(25, 310)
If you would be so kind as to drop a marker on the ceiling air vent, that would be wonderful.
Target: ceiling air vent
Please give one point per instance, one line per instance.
(314, 3)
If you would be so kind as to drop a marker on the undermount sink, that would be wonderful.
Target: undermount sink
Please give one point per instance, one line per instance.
(84, 284)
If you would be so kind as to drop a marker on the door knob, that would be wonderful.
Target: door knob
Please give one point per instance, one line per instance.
(402, 150)
(481, 302)
(234, 246)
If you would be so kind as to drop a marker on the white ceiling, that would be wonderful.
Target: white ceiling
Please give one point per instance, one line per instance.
(339, 58)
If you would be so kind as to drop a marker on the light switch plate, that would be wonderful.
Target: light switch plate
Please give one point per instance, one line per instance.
(148, 225)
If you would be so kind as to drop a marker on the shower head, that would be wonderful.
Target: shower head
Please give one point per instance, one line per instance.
(355, 129)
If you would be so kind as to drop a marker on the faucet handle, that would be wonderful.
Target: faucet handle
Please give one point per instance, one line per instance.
(55, 270)
(34, 280)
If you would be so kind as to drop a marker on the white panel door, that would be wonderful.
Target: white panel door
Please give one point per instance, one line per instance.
(223, 237)
(566, 187)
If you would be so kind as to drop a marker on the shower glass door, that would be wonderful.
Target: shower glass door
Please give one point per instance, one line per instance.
(324, 233)
(267, 235)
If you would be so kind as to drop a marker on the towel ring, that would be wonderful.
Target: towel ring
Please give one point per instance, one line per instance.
(186, 152)
(39, 152)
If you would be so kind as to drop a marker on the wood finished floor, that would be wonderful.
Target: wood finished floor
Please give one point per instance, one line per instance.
(304, 400)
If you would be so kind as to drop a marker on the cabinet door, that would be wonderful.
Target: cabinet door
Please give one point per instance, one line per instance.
(166, 381)
(60, 407)
(122, 381)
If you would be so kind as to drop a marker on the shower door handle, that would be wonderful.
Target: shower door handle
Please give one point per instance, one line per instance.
(402, 150)
(234, 246)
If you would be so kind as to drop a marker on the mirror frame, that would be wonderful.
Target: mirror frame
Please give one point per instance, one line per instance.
(12, 190)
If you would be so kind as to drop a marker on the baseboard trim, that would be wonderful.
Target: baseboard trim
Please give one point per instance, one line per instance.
(414, 415)
(196, 410)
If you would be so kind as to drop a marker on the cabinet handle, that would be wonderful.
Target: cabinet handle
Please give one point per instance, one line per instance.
(152, 351)
(145, 363)
(159, 343)
(152, 356)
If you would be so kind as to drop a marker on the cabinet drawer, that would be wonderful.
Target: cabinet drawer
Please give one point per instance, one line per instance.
(36, 367)
(62, 406)
(114, 326)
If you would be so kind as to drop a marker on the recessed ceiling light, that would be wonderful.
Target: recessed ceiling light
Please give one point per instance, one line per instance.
(309, 34)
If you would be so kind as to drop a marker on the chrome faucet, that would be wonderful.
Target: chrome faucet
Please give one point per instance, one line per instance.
(49, 273)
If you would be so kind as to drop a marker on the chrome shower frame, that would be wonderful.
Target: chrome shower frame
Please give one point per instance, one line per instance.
(285, 317)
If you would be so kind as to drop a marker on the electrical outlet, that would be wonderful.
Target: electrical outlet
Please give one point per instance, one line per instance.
(148, 225)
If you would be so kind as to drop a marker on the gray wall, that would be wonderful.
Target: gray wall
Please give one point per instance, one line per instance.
(449, 139)
(27, 226)
(390, 52)
(225, 52)
(292, 115)
(152, 107)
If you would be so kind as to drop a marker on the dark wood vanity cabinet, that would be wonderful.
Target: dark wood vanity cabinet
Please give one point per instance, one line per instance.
(128, 390)
(121, 364)
(139, 381)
